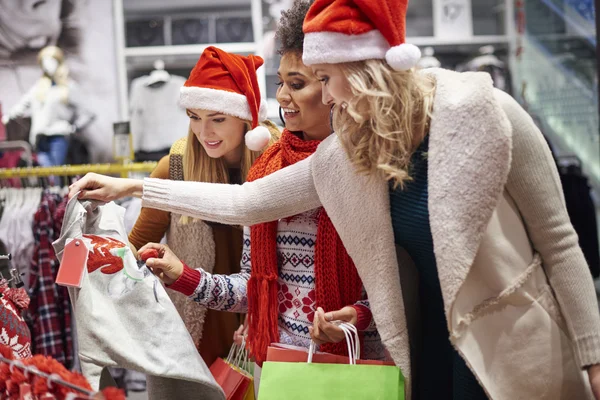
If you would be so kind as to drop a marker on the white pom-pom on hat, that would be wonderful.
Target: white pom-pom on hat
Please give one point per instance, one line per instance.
(403, 57)
(258, 138)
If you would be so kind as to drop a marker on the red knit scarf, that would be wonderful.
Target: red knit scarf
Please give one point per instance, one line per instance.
(337, 283)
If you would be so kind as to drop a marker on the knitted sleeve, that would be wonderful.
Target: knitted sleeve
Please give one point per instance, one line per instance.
(365, 321)
(365, 317)
(534, 184)
(219, 292)
(151, 225)
(287, 192)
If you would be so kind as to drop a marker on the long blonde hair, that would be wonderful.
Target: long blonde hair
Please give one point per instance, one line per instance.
(198, 166)
(386, 119)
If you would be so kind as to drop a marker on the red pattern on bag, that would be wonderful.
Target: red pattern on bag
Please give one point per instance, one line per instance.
(101, 257)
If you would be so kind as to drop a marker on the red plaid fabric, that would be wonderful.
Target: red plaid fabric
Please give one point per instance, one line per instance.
(50, 305)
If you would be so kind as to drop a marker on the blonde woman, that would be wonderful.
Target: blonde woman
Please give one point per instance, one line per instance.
(221, 113)
(456, 176)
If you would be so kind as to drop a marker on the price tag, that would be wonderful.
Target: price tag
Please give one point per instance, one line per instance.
(73, 263)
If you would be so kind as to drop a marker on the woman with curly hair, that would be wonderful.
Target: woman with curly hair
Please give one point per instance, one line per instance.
(457, 175)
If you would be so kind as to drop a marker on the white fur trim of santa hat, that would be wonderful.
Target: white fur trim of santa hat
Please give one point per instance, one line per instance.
(222, 101)
(258, 138)
(403, 57)
(335, 47)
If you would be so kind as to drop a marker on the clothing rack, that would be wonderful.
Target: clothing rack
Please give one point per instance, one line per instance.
(51, 378)
(72, 170)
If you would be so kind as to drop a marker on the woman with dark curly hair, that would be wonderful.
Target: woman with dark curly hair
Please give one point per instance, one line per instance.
(295, 272)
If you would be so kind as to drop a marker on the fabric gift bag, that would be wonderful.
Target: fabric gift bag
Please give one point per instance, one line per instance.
(327, 381)
(233, 374)
(124, 317)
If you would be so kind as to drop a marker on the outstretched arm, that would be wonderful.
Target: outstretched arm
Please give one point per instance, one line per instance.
(287, 192)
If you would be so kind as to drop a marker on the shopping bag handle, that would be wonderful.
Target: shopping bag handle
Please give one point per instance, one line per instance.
(238, 355)
(352, 341)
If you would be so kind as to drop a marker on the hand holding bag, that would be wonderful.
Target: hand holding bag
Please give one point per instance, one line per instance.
(233, 375)
(327, 381)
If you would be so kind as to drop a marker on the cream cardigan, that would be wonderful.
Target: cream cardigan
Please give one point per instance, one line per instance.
(519, 298)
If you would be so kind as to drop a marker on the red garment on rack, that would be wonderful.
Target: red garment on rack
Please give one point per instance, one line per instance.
(14, 331)
(50, 304)
(13, 379)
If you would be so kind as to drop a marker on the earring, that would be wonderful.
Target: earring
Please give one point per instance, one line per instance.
(331, 117)
(281, 117)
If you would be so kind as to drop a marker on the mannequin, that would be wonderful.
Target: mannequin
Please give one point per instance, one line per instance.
(55, 106)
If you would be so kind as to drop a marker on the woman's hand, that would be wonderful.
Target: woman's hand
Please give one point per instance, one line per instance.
(167, 267)
(242, 331)
(324, 331)
(105, 188)
(594, 375)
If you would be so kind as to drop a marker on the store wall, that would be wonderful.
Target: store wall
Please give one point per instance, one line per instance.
(84, 28)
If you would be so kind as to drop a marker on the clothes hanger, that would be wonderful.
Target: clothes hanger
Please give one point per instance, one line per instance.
(486, 57)
(159, 74)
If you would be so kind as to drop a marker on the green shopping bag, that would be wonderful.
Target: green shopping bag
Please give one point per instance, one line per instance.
(302, 381)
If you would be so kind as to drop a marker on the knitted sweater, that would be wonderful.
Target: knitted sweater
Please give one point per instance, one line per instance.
(215, 247)
(296, 238)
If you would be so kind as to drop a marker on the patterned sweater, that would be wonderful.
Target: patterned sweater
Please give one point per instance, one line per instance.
(296, 238)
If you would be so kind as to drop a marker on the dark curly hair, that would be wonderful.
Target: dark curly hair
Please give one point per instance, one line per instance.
(289, 30)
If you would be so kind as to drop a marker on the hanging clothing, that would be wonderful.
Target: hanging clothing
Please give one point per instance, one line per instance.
(137, 327)
(50, 307)
(156, 119)
(15, 225)
(14, 332)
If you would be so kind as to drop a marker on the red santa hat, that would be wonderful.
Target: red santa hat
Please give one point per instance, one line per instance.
(338, 31)
(227, 83)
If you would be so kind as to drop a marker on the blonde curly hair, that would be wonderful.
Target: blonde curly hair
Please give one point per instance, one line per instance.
(386, 119)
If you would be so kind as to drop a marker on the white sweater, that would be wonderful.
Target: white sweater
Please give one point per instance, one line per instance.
(157, 120)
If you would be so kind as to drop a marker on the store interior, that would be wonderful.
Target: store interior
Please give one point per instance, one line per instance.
(128, 59)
